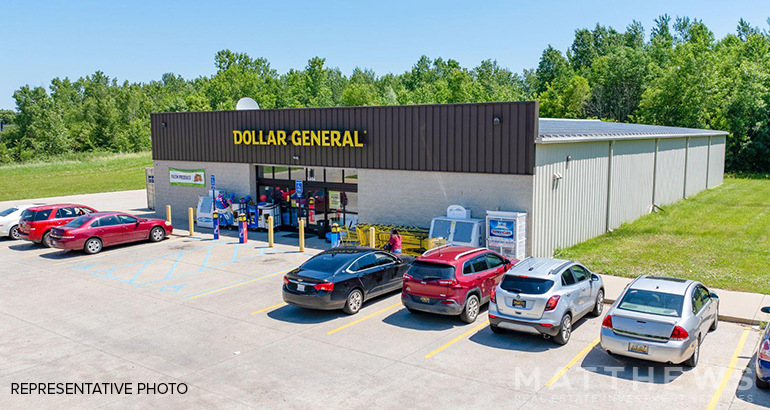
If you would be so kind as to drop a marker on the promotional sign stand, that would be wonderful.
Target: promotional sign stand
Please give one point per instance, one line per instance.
(335, 235)
(215, 215)
(507, 233)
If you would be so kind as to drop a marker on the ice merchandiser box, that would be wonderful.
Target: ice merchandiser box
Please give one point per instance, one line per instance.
(507, 233)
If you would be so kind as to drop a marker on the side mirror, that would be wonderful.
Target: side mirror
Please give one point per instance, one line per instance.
(766, 309)
(594, 278)
(715, 296)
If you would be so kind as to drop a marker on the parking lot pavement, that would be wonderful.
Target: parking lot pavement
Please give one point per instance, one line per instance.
(210, 314)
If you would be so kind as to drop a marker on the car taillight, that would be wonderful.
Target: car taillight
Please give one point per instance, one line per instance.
(764, 350)
(552, 302)
(285, 280)
(679, 334)
(607, 322)
(493, 296)
(324, 286)
(448, 282)
(407, 277)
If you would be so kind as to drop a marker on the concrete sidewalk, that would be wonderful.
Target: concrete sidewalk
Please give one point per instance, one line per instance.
(738, 307)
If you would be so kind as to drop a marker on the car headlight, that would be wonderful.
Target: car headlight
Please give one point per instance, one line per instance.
(167, 223)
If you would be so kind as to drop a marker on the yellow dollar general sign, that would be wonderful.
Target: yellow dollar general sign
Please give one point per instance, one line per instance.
(305, 138)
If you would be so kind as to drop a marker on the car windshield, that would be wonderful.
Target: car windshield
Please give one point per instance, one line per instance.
(525, 285)
(656, 303)
(431, 271)
(327, 262)
(8, 211)
(79, 221)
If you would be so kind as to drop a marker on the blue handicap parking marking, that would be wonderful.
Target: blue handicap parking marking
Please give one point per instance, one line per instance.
(173, 288)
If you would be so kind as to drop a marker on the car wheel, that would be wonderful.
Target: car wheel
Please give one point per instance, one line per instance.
(157, 234)
(565, 330)
(471, 310)
(761, 384)
(354, 302)
(716, 322)
(14, 232)
(693, 360)
(47, 239)
(92, 246)
(496, 329)
(599, 306)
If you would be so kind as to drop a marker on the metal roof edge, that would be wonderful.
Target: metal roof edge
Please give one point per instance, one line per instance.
(565, 139)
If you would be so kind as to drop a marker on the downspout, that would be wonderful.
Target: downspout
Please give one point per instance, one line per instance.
(609, 187)
(654, 174)
(708, 164)
(686, 159)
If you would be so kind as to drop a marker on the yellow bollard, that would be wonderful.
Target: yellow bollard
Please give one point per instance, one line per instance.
(168, 213)
(270, 231)
(192, 220)
(372, 236)
(301, 235)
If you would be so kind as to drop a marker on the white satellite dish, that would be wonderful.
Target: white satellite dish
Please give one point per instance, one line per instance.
(246, 103)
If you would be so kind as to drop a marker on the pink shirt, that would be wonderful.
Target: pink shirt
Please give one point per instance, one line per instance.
(395, 242)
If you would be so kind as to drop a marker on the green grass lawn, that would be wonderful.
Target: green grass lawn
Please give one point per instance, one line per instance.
(88, 174)
(720, 237)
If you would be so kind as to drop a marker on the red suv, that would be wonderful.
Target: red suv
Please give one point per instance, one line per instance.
(36, 223)
(453, 280)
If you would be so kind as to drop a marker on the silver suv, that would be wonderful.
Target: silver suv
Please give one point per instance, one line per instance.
(545, 296)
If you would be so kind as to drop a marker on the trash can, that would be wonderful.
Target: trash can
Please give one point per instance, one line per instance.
(323, 228)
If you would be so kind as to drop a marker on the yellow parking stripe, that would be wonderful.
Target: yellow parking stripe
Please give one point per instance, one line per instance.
(457, 339)
(729, 371)
(282, 304)
(41, 254)
(362, 319)
(238, 284)
(572, 362)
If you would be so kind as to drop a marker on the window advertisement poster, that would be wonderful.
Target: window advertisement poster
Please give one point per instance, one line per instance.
(187, 177)
(335, 200)
(502, 232)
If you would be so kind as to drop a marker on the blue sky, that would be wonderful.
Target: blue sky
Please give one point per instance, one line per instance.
(140, 40)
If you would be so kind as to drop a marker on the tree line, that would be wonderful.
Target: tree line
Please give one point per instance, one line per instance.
(678, 75)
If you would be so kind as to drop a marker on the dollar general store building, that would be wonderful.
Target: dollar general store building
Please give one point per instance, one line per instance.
(404, 165)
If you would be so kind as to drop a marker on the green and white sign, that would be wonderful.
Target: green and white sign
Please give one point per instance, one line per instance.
(187, 177)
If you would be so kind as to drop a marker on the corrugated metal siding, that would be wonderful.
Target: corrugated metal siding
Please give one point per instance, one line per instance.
(452, 137)
(573, 208)
(697, 159)
(631, 192)
(717, 161)
(669, 186)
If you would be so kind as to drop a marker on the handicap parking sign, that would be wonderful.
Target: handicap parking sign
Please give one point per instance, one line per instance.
(298, 187)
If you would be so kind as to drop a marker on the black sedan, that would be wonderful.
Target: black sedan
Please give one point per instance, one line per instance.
(343, 278)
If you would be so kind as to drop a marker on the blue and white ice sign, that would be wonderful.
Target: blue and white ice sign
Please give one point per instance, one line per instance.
(213, 182)
(502, 230)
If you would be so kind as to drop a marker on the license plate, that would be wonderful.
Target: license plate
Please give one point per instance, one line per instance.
(638, 348)
(519, 303)
(424, 299)
(300, 288)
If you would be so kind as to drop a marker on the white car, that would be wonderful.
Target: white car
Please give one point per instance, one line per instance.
(9, 220)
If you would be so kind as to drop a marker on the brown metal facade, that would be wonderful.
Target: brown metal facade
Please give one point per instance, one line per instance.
(446, 137)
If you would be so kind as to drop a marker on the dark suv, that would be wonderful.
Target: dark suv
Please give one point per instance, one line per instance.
(453, 280)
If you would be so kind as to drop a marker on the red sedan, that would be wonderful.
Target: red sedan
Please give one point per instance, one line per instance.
(95, 231)
(37, 222)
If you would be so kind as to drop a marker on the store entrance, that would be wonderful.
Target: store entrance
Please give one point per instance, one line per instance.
(329, 195)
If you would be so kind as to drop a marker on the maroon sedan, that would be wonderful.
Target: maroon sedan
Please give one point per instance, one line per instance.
(94, 231)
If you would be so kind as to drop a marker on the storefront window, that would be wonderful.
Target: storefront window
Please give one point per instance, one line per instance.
(281, 173)
(265, 172)
(297, 173)
(333, 175)
(351, 176)
(351, 209)
(315, 174)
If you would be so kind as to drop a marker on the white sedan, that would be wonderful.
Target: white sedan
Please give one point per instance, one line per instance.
(9, 220)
